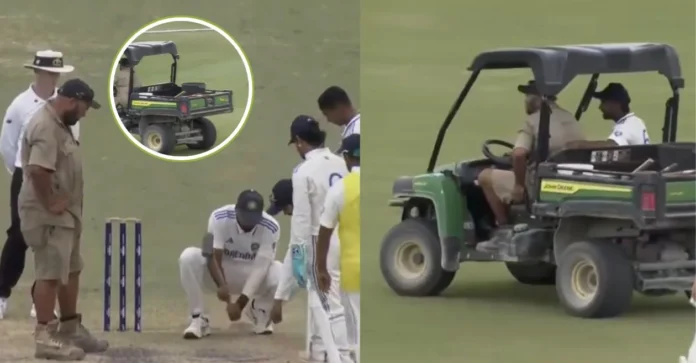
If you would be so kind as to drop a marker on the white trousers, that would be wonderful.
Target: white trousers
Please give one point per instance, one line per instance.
(326, 335)
(351, 303)
(193, 270)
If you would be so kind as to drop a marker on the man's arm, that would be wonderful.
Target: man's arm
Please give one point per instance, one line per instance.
(217, 236)
(9, 145)
(520, 153)
(264, 258)
(301, 220)
(328, 221)
(43, 155)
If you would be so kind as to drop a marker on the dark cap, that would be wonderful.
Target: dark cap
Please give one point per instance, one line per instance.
(351, 146)
(77, 89)
(249, 208)
(531, 89)
(614, 92)
(306, 128)
(281, 196)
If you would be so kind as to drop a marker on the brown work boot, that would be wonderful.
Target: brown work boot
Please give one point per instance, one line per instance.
(50, 346)
(74, 332)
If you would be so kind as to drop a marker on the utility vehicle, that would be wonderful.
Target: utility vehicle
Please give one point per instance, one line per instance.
(598, 223)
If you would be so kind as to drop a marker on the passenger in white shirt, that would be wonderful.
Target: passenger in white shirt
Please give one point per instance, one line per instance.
(47, 66)
(336, 106)
(310, 182)
(238, 254)
(628, 128)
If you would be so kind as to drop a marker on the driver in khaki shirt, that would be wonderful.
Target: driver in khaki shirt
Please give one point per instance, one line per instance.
(503, 187)
(121, 83)
(50, 208)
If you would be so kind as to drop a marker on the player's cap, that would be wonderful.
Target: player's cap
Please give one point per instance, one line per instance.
(79, 90)
(281, 196)
(613, 92)
(351, 146)
(249, 208)
(306, 128)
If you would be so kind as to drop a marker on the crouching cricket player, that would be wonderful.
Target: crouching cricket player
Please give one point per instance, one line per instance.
(342, 208)
(239, 255)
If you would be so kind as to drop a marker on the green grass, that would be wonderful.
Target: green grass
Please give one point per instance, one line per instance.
(413, 63)
(296, 50)
(204, 57)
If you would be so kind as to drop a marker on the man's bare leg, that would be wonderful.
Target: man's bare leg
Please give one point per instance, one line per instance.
(67, 297)
(499, 209)
(45, 300)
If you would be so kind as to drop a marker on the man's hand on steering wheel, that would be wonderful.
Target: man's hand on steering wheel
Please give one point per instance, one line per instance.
(505, 160)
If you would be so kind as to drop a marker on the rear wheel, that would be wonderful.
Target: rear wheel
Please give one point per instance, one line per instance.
(540, 273)
(410, 258)
(208, 131)
(594, 280)
(159, 138)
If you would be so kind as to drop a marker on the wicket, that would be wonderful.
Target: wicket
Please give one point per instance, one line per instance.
(108, 256)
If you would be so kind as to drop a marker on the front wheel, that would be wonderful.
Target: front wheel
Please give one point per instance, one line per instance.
(594, 280)
(410, 258)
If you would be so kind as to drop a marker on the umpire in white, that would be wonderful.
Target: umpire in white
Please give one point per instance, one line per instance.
(47, 65)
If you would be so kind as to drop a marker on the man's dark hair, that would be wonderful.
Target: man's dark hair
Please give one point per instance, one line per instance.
(314, 140)
(333, 97)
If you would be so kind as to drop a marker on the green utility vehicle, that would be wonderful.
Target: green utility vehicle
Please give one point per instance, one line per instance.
(626, 224)
(166, 115)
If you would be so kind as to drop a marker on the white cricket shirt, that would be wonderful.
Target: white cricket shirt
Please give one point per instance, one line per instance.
(310, 183)
(17, 115)
(246, 255)
(353, 127)
(630, 130)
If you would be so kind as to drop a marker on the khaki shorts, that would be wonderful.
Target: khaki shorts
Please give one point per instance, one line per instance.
(56, 252)
(503, 184)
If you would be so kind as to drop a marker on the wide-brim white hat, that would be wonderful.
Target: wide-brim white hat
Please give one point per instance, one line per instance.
(50, 61)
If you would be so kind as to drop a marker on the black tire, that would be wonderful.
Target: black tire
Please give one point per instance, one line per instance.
(533, 273)
(613, 277)
(159, 138)
(193, 87)
(208, 131)
(420, 237)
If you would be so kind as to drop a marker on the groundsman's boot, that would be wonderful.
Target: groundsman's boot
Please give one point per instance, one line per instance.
(50, 346)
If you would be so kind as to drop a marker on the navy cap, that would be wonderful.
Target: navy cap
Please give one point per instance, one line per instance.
(281, 196)
(79, 90)
(351, 145)
(305, 127)
(249, 208)
(529, 89)
(614, 92)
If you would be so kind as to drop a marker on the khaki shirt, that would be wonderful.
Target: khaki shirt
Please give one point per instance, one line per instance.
(563, 128)
(121, 83)
(50, 144)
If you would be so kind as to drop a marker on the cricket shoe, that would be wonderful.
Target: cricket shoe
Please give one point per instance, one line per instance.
(199, 328)
(260, 318)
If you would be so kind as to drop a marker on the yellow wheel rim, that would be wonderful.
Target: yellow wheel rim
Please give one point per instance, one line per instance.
(155, 141)
(409, 260)
(584, 280)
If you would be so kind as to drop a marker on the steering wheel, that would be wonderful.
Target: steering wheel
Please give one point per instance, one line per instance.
(505, 160)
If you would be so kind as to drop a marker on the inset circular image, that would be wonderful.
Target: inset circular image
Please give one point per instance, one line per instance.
(182, 89)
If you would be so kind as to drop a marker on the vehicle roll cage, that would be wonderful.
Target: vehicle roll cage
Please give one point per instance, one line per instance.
(555, 67)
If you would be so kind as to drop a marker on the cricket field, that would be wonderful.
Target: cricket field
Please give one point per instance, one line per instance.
(414, 57)
(296, 50)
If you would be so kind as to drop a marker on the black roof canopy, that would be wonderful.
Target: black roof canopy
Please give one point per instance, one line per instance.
(554, 67)
(138, 50)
